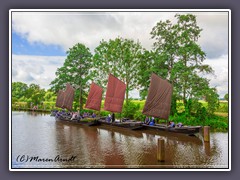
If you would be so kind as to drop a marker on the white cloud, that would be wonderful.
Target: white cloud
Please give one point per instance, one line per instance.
(220, 78)
(35, 69)
(134, 94)
(68, 28)
(214, 37)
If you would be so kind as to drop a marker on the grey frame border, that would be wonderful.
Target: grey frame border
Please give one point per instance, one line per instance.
(116, 10)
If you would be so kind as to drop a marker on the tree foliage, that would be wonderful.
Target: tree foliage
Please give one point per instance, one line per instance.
(119, 57)
(226, 97)
(35, 94)
(50, 96)
(32, 94)
(19, 90)
(77, 70)
(213, 100)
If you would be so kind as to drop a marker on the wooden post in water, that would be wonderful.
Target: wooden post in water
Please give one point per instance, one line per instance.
(161, 150)
(207, 148)
(206, 133)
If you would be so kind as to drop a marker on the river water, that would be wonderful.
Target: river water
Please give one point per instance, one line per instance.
(39, 141)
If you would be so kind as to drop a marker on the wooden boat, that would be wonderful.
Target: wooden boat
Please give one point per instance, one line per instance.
(94, 103)
(158, 105)
(189, 130)
(65, 100)
(88, 122)
(176, 137)
(128, 124)
(113, 103)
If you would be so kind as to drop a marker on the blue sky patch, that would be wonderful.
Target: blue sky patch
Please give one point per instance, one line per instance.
(20, 46)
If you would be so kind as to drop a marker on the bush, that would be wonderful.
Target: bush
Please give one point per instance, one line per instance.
(217, 123)
(185, 119)
(49, 105)
(129, 109)
(139, 116)
(202, 114)
(104, 113)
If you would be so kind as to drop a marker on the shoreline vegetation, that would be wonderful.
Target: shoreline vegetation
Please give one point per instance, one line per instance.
(217, 121)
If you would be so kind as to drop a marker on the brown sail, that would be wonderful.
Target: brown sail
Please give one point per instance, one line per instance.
(115, 94)
(60, 99)
(158, 102)
(94, 97)
(68, 97)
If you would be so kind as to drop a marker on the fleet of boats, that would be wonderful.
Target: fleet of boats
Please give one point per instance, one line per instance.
(158, 105)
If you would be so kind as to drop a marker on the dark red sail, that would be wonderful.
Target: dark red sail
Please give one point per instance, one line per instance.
(158, 102)
(94, 97)
(60, 99)
(114, 95)
(68, 97)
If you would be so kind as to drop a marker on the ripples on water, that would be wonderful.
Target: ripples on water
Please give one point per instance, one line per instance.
(39, 135)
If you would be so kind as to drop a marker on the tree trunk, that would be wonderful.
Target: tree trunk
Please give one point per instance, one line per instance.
(184, 97)
(185, 83)
(127, 92)
(80, 100)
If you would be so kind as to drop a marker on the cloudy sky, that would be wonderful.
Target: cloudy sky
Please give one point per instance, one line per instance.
(40, 39)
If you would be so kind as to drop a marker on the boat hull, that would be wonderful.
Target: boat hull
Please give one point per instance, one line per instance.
(189, 130)
(94, 122)
(130, 124)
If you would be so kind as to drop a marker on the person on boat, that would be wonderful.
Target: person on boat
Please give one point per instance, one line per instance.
(93, 115)
(74, 116)
(113, 117)
(171, 124)
(147, 120)
(79, 116)
(54, 112)
(179, 124)
(59, 114)
(84, 115)
(152, 122)
(109, 118)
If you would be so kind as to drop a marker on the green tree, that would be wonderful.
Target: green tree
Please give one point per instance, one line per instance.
(77, 70)
(35, 94)
(212, 98)
(119, 57)
(178, 44)
(226, 97)
(19, 90)
(50, 96)
(166, 45)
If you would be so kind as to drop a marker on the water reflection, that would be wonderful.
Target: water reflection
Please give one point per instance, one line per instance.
(35, 134)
